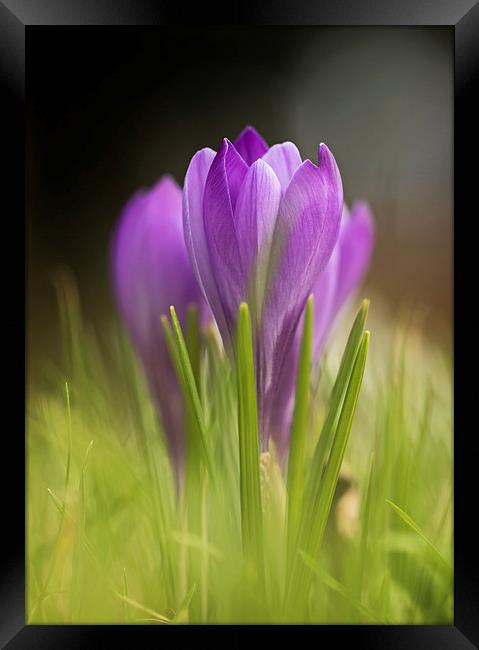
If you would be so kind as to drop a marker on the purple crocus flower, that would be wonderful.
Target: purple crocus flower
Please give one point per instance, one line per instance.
(342, 275)
(151, 271)
(260, 226)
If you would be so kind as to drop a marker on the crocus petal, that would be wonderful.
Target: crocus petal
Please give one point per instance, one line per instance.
(306, 232)
(126, 244)
(224, 180)
(148, 243)
(250, 145)
(284, 159)
(283, 404)
(255, 217)
(193, 190)
(342, 275)
(165, 258)
(324, 292)
(355, 247)
(194, 230)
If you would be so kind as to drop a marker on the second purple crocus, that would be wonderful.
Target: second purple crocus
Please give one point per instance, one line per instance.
(151, 271)
(260, 226)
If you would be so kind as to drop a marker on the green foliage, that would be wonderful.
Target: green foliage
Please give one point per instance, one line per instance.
(186, 375)
(355, 528)
(299, 431)
(316, 512)
(248, 436)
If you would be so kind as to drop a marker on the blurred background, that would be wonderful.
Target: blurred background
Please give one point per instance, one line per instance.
(109, 110)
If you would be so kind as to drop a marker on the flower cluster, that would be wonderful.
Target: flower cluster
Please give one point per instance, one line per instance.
(253, 224)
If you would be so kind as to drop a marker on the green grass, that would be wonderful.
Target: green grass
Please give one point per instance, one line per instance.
(358, 528)
(248, 439)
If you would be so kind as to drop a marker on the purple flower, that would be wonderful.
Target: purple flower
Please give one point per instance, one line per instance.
(151, 271)
(260, 226)
(342, 275)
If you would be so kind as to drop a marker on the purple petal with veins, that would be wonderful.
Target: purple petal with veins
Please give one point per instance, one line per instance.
(250, 145)
(222, 186)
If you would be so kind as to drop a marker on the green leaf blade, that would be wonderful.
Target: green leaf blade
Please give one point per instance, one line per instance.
(339, 588)
(409, 521)
(250, 486)
(325, 494)
(181, 360)
(299, 427)
(339, 389)
(317, 511)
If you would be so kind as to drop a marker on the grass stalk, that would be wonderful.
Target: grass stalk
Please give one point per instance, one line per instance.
(299, 429)
(250, 489)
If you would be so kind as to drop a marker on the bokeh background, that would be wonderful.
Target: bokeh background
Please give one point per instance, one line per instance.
(110, 111)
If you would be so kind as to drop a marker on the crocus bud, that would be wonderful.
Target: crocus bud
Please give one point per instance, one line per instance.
(260, 226)
(151, 271)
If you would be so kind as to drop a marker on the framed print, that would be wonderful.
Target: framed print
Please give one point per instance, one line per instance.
(249, 333)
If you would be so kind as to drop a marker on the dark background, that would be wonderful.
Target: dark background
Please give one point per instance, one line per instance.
(106, 116)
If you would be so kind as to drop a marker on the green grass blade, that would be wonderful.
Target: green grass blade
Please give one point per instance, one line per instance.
(250, 488)
(325, 494)
(151, 612)
(125, 595)
(299, 427)
(182, 614)
(58, 504)
(193, 340)
(71, 325)
(336, 586)
(337, 395)
(172, 349)
(186, 377)
(192, 449)
(69, 429)
(317, 515)
(414, 526)
(363, 544)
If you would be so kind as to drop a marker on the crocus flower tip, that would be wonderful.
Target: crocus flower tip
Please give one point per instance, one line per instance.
(309, 163)
(324, 152)
(166, 178)
(249, 129)
(360, 203)
(362, 207)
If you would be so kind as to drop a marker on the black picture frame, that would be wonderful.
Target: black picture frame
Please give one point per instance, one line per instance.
(16, 19)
